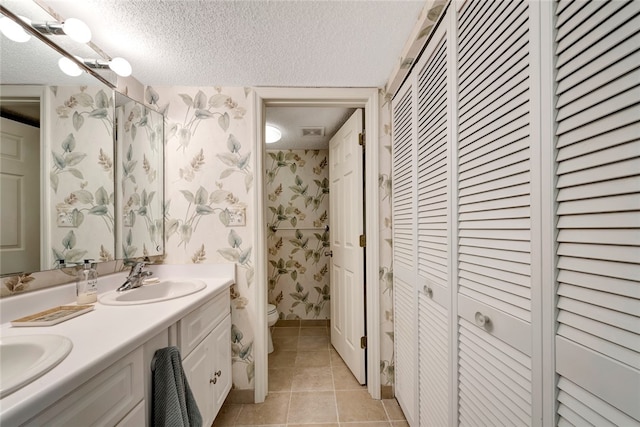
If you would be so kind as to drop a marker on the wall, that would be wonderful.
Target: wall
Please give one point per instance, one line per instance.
(298, 207)
(80, 194)
(386, 255)
(208, 170)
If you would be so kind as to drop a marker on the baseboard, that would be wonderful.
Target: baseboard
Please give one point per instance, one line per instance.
(386, 392)
(241, 396)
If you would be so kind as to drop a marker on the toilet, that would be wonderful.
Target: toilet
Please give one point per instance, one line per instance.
(272, 318)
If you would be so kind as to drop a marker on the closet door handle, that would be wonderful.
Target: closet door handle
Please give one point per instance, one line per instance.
(482, 320)
(328, 253)
(218, 373)
(213, 380)
(428, 291)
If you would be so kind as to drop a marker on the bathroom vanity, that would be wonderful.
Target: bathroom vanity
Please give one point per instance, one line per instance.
(106, 377)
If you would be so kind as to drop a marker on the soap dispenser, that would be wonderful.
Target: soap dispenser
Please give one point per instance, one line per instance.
(87, 283)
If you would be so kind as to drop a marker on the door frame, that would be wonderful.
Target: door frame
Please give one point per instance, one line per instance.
(38, 92)
(366, 98)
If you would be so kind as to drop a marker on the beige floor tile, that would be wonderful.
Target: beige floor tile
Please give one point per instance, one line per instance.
(343, 379)
(261, 425)
(272, 411)
(313, 343)
(394, 411)
(399, 424)
(281, 323)
(280, 379)
(315, 331)
(285, 343)
(315, 425)
(313, 322)
(312, 379)
(357, 405)
(282, 359)
(285, 332)
(227, 415)
(313, 407)
(336, 360)
(313, 359)
(367, 424)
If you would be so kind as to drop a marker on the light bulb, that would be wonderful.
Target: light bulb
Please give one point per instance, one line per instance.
(120, 66)
(77, 30)
(69, 67)
(272, 134)
(13, 31)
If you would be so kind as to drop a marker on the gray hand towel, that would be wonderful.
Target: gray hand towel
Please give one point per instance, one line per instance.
(173, 402)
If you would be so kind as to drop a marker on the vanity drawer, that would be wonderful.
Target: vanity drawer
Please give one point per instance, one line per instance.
(197, 324)
(104, 400)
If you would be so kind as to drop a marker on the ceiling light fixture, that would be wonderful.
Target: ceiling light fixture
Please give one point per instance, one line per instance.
(72, 27)
(120, 66)
(272, 134)
(13, 31)
(69, 67)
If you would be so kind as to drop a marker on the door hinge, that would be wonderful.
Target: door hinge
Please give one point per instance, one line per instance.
(361, 139)
(363, 240)
(363, 342)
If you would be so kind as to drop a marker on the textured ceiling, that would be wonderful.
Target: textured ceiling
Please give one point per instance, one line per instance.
(312, 43)
(292, 120)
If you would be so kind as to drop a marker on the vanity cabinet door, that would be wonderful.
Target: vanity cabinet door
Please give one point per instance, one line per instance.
(198, 370)
(221, 337)
(208, 370)
(104, 400)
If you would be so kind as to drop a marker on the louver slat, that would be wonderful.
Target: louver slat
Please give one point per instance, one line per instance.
(598, 182)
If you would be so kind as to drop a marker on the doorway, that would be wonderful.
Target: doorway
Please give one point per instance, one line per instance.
(307, 97)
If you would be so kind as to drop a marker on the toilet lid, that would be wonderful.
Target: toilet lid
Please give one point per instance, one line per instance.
(271, 308)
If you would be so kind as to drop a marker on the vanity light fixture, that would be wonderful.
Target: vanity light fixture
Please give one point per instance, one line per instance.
(13, 31)
(272, 134)
(72, 27)
(120, 66)
(69, 67)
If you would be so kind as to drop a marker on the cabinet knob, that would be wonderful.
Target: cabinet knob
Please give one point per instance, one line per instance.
(218, 373)
(482, 320)
(213, 380)
(428, 291)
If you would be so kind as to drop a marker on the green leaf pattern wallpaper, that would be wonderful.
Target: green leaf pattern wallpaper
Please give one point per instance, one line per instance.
(81, 191)
(385, 275)
(208, 170)
(297, 213)
(139, 157)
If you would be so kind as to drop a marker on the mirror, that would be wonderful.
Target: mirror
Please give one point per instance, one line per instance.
(140, 154)
(57, 162)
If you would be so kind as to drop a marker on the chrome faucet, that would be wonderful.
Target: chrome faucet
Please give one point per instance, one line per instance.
(136, 275)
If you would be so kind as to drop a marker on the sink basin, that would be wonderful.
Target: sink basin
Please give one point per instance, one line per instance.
(23, 358)
(162, 291)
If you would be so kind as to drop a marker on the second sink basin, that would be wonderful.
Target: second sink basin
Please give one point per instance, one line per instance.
(162, 291)
(23, 358)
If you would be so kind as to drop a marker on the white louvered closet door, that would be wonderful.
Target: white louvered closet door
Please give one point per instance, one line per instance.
(494, 214)
(404, 264)
(434, 230)
(598, 195)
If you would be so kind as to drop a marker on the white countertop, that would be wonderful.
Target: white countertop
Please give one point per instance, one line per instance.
(99, 337)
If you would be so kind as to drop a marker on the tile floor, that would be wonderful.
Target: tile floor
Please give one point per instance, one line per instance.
(310, 385)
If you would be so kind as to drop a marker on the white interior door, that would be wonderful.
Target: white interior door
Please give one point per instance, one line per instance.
(19, 197)
(347, 224)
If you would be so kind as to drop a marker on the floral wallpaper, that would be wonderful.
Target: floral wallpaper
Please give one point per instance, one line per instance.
(298, 206)
(81, 191)
(385, 244)
(208, 172)
(140, 157)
